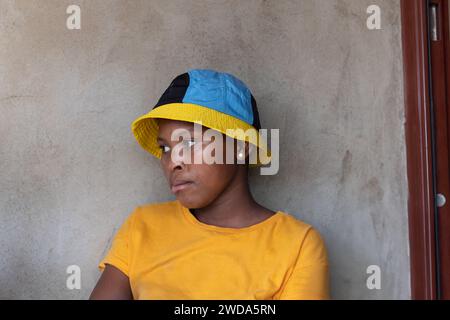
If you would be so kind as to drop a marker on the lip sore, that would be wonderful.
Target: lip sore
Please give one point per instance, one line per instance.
(180, 186)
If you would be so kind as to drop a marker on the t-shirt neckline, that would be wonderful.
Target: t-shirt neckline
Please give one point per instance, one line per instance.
(192, 219)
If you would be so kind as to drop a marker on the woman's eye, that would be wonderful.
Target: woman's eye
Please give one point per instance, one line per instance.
(189, 143)
(164, 149)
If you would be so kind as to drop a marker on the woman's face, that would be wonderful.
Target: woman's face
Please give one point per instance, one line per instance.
(195, 185)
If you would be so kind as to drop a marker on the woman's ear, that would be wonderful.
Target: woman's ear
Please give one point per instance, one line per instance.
(242, 151)
(241, 154)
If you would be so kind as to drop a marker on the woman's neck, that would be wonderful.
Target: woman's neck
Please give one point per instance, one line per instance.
(234, 208)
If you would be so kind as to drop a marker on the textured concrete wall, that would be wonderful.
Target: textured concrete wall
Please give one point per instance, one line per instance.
(70, 170)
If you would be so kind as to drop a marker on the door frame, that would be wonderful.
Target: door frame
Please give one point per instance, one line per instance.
(419, 150)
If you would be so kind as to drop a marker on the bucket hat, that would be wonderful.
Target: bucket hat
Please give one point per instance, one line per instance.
(217, 100)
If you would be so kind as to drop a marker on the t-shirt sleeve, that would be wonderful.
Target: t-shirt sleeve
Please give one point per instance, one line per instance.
(309, 279)
(120, 251)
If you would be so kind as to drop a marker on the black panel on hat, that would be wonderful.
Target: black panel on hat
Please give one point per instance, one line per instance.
(176, 90)
(256, 122)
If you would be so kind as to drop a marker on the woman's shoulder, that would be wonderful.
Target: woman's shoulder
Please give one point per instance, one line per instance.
(158, 206)
(294, 221)
(304, 237)
(155, 211)
(296, 225)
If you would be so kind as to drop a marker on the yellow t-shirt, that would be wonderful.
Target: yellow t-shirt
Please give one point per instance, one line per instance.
(168, 253)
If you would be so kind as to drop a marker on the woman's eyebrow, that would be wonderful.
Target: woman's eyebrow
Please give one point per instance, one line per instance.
(161, 139)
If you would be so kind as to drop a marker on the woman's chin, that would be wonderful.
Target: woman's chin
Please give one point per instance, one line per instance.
(191, 201)
(187, 201)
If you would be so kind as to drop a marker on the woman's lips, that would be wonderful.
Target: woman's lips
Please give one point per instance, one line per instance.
(181, 186)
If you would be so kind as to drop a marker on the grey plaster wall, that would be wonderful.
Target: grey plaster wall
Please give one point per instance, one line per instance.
(70, 170)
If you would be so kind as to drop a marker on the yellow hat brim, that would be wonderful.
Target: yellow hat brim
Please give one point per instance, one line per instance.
(145, 128)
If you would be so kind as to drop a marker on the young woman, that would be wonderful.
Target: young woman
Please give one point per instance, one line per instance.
(214, 241)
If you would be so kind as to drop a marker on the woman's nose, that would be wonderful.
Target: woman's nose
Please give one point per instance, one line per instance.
(176, 162)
